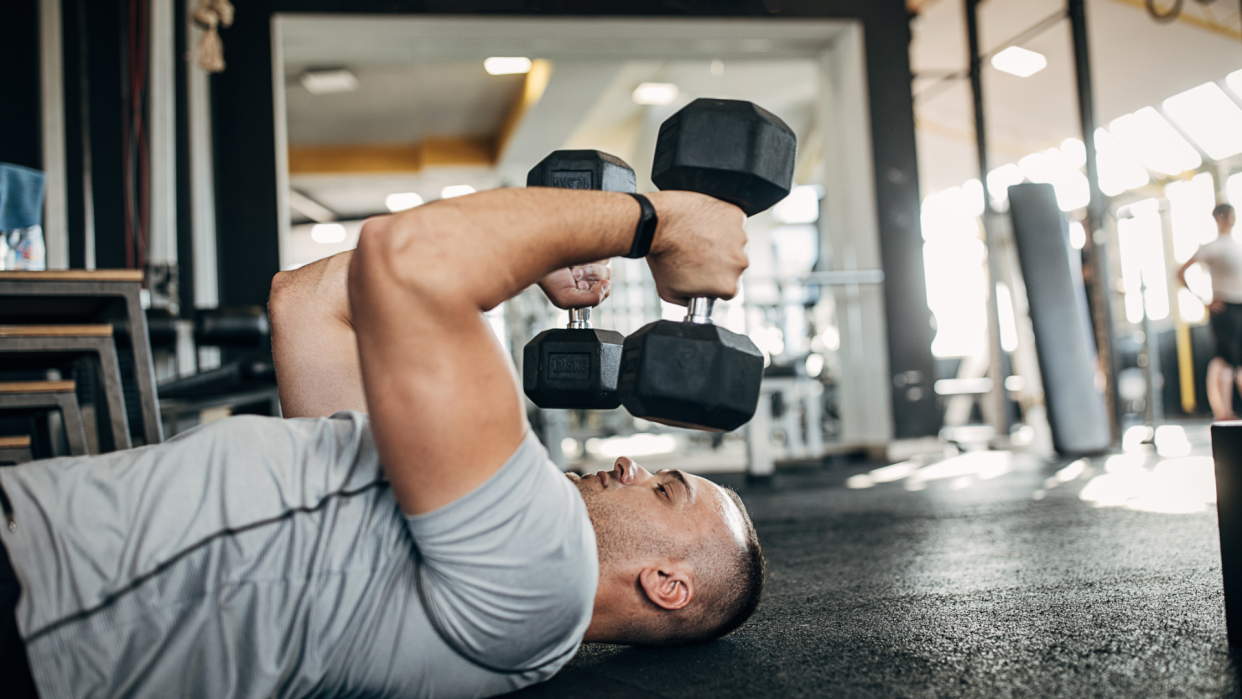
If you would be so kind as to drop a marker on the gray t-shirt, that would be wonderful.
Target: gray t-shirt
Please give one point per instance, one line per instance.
(259, 557)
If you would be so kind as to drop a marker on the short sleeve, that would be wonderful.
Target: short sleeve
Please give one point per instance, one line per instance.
(507, 573)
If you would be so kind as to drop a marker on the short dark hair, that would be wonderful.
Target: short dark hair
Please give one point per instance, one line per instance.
(1222, 212)
(753, 575)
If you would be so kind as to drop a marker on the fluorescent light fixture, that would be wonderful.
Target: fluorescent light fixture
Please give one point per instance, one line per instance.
(1210, 118)
(801, 206)
(1234, 81)
(655, 93)
(1154, 141)
(641, 444)
(1075, 151)
(400, 201)
(1118, 170)
(1052, 167)
(1018, 61)
(328, 233)
(506, 65)
(328, 82)
(456, 190)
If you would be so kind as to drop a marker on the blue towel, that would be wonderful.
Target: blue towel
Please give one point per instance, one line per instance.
(21, 197)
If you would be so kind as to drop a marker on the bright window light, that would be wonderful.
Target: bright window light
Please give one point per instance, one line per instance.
(456, 190)
(1000, 180)
(948, 215)
(956, 293)
(1154, 141)
(1075, 151)
(655, 93)
(1141, 244)
(1233, 190)
(1052, 167)
(1234, 81)
(506, 65)
(1190, 307)
(1210, 118)
(1077, 235)
(328, 233)
(327, 82)
(641, 444)
(801, 206)
(1118, 170)
(1018, 61)
(972, 189)
(400, 201)
(1190, 214)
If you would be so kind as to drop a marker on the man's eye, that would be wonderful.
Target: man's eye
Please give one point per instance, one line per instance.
(663, 491)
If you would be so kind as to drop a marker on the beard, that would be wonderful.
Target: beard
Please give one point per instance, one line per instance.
(620, 534)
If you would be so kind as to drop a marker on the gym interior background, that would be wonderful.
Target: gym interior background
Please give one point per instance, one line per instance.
(980, 465)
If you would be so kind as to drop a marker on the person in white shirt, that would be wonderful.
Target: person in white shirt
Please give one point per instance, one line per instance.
(1223, 259)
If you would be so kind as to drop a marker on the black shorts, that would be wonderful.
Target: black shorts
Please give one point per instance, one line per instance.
(1227, 329)
(14, 669)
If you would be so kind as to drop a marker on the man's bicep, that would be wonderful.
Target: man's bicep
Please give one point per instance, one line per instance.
(445, 407)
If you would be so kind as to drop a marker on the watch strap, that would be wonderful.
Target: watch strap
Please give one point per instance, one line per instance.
(644, 232)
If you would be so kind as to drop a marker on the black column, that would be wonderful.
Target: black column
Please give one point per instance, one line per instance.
(912, 368)
(21, 127)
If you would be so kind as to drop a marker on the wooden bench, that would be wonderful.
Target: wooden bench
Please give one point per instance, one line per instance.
(15, 450)
(44, 396)
(93, 297)
(63, 346)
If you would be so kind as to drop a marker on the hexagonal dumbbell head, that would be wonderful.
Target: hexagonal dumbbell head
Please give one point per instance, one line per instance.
(729, 149)
(573, 368)
(583, 169)
(692, 375)
(576, 367)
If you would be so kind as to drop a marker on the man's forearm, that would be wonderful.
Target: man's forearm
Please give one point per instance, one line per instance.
(488, 247)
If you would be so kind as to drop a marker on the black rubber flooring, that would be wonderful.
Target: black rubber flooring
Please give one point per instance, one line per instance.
(976, 585)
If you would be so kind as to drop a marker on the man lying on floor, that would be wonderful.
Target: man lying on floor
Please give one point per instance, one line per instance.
(428, 549)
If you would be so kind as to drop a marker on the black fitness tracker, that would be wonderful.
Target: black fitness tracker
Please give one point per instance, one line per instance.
(644, 233)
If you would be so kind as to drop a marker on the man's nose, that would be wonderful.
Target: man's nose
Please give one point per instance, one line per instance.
(628, 472)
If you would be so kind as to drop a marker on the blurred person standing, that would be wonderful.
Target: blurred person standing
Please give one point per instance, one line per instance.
(1223, 259)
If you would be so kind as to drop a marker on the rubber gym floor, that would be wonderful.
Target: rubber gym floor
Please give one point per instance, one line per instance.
(995, 575)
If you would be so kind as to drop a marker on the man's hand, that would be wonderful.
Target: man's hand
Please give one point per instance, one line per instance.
(580, 286)
(699, 247)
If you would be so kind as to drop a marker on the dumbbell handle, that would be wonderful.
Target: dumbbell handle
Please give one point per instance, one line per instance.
(699, 310)
(579, 318)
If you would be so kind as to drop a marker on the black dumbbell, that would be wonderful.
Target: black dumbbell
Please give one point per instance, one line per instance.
(693, 373)
(576, 366)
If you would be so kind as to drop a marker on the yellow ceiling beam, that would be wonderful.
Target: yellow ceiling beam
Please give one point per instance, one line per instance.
(438, 151)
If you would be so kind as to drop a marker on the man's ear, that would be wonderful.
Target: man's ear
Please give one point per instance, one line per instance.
(668, 585)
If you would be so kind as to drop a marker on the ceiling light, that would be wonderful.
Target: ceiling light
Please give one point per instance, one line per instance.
(456, 190)
(1210, 118)
(400, 201)
(506, 65)
(655, 93)
(328, 233)
(1234, 81)
(328, 82)
(1154, 142)
(1118, 170)
(1018, 61)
